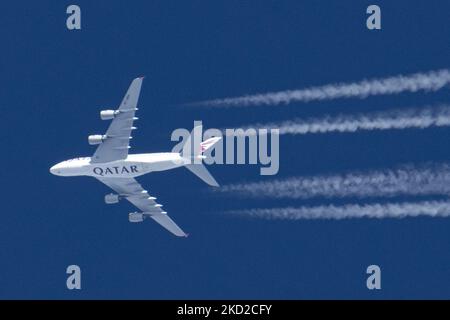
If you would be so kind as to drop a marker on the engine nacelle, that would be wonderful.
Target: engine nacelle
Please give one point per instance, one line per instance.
(111, 198)
(96, 139)
(108, 114)
(136, 217)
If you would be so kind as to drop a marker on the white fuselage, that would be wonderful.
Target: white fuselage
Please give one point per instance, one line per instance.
(133, 166)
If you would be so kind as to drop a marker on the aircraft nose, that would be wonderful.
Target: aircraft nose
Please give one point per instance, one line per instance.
(55, 170)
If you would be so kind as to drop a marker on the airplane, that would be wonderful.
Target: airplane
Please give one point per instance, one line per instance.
(112, 165)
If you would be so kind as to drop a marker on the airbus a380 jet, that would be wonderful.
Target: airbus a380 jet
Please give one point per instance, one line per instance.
(112, 165)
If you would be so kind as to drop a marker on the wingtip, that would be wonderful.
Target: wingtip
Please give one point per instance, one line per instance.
(214, 184)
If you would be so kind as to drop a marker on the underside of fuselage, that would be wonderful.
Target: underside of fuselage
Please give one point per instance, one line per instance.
(133, 166)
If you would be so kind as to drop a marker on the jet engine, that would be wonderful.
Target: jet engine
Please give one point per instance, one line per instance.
(96, 139)
(111, 198)
(108, 114)
(136, 217)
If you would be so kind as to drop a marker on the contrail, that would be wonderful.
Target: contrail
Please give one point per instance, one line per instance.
(385, 210)
(428, 81)
(433, 179)
(418, 118)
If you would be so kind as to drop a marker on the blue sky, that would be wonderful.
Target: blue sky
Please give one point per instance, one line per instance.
(54, 83)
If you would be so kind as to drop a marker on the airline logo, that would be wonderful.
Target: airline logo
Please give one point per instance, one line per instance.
(115, 170)
(205, 145)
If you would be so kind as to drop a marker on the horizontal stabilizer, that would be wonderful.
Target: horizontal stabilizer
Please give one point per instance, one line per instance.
(200, 171)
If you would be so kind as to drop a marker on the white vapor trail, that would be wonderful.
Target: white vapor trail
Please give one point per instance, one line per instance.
(419, 118)
(385, 210)
(428, 81)
(432, 179)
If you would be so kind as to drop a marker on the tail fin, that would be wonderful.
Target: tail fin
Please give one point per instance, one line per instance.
(193, 151)
(208, 143)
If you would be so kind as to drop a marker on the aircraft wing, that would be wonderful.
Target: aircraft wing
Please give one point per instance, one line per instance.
(116, 144)
(130, 189)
